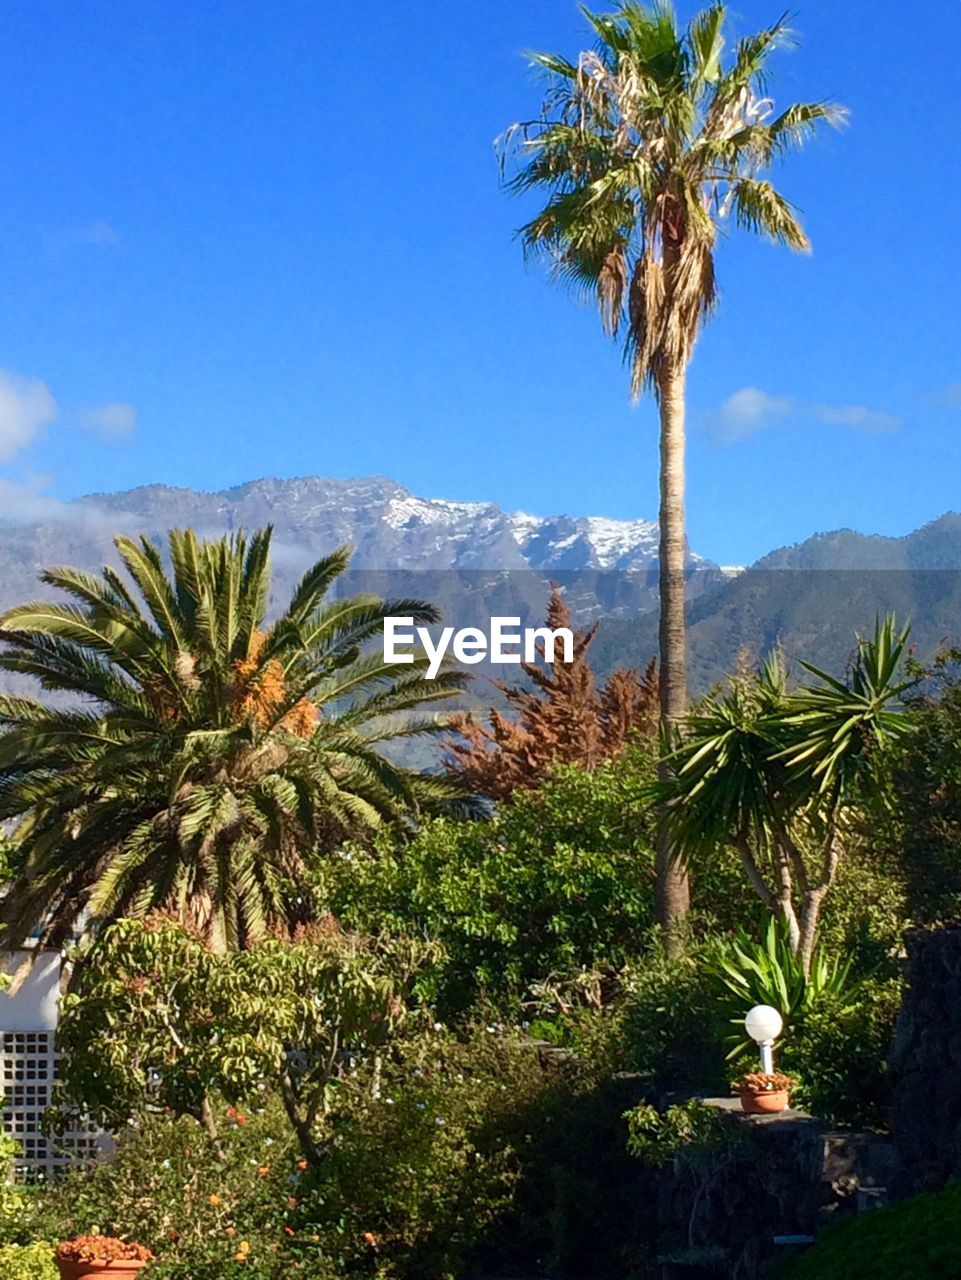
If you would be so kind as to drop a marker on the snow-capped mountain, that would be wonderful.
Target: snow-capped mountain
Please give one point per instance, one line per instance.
(389, 527)
(391, 530)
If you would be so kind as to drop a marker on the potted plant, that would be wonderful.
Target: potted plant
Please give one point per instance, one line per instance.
(100, 1258)
(762, 1092)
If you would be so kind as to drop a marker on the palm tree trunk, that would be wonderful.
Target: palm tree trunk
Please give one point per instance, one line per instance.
(672, 891)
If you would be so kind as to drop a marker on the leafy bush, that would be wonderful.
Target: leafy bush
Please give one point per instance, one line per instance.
(560, 880)
(137, 1032)
(475, 1158)
(193, 1202)
(691, 1129)
(839, 1056)
(455, 1155)
(418, 1170)
(673, 1023)
(921, 821)
(916, 1239)
(670, 1025)
(27, 1262)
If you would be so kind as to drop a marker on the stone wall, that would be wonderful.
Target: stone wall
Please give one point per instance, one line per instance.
(926, 1061)
(784, 1176)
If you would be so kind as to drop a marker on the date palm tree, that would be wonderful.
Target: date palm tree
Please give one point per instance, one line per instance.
(200, 756)
(647, 144)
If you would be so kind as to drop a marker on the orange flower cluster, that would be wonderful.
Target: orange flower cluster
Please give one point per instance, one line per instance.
(259, 689)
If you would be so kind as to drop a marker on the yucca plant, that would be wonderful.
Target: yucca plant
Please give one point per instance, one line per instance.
(777, 774)
(194, 756)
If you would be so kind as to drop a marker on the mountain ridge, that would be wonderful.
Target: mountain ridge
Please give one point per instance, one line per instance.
(476, 559)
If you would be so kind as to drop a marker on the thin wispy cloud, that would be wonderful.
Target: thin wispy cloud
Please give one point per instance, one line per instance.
(26, 502)
(948, 397)
(113, 421)
(96, 234)
(750, 410)
(26, 408)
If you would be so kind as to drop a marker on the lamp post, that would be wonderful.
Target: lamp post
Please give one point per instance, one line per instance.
(764, 1024)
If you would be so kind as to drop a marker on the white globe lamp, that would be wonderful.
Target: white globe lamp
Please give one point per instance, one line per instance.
(764, 1024)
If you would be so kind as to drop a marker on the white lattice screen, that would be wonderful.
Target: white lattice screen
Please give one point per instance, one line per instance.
(28, 1064)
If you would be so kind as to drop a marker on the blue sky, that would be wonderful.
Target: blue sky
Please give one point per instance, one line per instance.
(240, 239)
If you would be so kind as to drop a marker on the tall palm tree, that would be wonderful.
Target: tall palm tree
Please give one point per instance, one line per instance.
(201, 755)
(646, 145)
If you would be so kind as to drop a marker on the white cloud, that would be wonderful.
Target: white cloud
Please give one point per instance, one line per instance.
(750, 410)
(747, 411)
(26, 407)
(26, 503)
(111, 421)
(855, 415)
(98, 233)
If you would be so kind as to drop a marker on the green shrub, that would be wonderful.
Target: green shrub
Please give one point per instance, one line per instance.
(417, 1174)
(561, 880)
(192, 1202)
(671, 1027)
(675, 1028)
(916, 1239)
(746, 972)
(27, 1262)
(921, 823)
(455, 1155)
(477, 1158)
(839, 1056)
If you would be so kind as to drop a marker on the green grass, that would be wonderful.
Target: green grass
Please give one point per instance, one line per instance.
(916, 1239)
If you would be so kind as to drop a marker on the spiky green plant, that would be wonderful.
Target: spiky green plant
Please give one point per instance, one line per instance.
(747, 972)
(647, 146)
(200, 755)
(775, 773)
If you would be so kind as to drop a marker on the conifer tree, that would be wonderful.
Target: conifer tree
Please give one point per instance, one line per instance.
(562, 718)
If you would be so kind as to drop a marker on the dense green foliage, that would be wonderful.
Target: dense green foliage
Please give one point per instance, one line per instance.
(917, 1239)
(170, 1188)
(457, 1155)
(749, 972)
(27, 1262)
(295, 1016)
(922, 818)
(560, 881)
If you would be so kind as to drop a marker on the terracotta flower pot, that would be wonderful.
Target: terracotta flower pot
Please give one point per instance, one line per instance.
(113, 1270)
(766, 1102)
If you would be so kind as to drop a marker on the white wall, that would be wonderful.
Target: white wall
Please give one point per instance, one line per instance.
(34, 1007)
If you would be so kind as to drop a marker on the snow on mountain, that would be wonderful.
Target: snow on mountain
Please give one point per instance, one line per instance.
(388, 528)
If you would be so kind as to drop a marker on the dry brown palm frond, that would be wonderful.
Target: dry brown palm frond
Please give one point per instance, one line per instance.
(611, 287)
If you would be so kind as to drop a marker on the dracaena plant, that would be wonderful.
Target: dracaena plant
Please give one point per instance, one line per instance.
(196, 755)
(778, 774)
